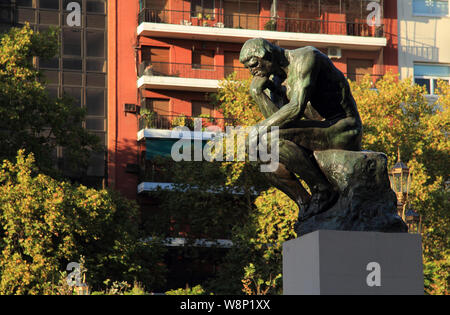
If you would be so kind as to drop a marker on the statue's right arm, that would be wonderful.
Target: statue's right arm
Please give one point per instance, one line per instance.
(265, 104)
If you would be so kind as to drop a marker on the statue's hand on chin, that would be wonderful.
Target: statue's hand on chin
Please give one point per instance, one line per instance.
(259, 84)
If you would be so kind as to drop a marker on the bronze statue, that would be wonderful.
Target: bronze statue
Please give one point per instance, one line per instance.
(309, 99)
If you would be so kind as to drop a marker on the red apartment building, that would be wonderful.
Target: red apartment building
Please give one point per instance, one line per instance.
(167, 55)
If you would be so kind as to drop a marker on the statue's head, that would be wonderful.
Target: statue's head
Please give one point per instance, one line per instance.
(262, 57)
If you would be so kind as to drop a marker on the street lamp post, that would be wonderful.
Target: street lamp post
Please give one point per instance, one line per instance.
(400, 178)
(413, 221)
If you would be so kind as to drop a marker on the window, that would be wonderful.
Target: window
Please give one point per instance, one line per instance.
(49, 64)
(157, 59)
(430, 7)
(96, 124)
(24, 3)
(159, 106)
(203, 7)
(74, 92)
(72, 42)
(428, 75)
(96, 65)
(242, 14)
(95, 21)
(72, 64)
(95, 102)
(232, 63)
(358, 68)
(26, 15)
(49, 17)
(202, 108)
(49, 4)
(95, 44)
(203, 59)
(95, 6)
(5, 15)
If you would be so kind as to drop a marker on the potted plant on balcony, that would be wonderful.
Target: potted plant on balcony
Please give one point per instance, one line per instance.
(271, 25)
(183, 121)
(148, 116)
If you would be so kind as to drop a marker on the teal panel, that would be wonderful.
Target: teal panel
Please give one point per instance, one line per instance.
(432, 70)
(162, 147)
(158, 147)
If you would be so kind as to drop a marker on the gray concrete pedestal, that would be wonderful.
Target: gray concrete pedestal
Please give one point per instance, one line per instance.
(341, 262)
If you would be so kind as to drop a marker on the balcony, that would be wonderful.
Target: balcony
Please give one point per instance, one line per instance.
(318, 32)
(181, 76)
(168, 122)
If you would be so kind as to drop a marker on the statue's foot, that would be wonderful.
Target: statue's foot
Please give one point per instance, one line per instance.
(321, 200)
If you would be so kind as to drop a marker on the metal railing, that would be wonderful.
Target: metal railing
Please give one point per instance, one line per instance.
(168, 122)
(196, 71)
(257, 22)
(156, 170)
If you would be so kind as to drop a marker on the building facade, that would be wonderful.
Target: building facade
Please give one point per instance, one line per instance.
(424, 48)
(167, 56)
(79, 70)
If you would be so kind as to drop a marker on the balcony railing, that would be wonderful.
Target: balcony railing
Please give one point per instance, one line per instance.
(168, 122)
(194, 71)
(256, 22)
(156, 170)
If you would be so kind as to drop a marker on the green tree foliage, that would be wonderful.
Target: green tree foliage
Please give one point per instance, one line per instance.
(30, 118)
(45, 224)
(397, 115)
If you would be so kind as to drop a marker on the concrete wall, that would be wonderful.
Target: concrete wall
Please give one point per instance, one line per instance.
(421, 39)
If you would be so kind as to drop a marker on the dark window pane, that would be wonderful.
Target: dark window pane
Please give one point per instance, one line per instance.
(24, 3)
(95, 124)
(72, 78)
(72, 64)
(435, 85)
(49, 4)
(72, 42)
(25, 15)
(96, 21)
(95, 44)
(51, 76)
(5, 15)
(424, 82)
(52, 91)
(49, 17)
(95, 6)
(101, 136)
(94, 79)
(96, 165)
(96, 65)
(52, 63)
(95, 102)
(75, 93)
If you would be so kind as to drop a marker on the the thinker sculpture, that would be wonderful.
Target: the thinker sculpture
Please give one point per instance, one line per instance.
(309, 99)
